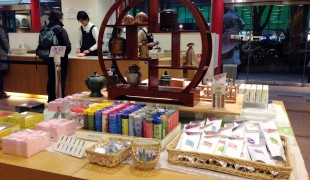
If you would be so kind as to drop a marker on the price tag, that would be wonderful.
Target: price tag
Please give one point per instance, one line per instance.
(58, 50)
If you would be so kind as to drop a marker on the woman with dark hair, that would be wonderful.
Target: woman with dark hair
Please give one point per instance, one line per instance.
(88, 35)
(4, 49)
(56, 19)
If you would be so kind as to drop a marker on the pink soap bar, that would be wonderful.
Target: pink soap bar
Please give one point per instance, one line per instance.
(57, 128)
(25, 143)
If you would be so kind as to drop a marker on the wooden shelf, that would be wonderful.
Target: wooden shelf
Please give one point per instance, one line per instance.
(145, 87)
(129, 59)
(161, 94)
(179, 67)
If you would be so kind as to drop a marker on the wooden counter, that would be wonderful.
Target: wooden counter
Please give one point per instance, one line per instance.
(45, 164)
(25, 78)
(128, 172)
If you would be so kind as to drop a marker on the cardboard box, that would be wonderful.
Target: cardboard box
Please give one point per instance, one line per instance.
(177, 82)
(7, 129)
(25, 119)
(30, 106)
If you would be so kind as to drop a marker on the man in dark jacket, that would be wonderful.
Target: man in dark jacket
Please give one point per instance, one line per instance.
(56, 18)
(4, 49)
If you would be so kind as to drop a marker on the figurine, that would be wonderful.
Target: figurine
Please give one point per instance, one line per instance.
(191, 58)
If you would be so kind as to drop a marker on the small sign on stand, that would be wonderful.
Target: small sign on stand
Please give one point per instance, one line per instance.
(57, 52)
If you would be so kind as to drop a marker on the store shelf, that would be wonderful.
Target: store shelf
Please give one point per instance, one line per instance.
(179, 67)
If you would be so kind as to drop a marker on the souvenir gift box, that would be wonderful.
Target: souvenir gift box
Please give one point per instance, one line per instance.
(25, 119)
(4, 115)
(30, 106)
(7, 128)
(25, 143)
(57, 127)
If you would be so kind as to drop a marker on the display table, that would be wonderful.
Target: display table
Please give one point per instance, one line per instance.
(50, 165)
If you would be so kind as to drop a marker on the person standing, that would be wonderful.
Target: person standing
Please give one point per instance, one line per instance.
(88, 35)
(4, 49)
(144, 38)
(56, 19)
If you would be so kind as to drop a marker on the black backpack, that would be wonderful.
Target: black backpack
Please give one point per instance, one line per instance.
(47, 39)
(149, 38)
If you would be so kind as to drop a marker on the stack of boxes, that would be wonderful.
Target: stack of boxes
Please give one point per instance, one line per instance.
(255, 95)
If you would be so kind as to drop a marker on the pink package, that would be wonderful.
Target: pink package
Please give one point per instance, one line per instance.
(57, 128)
(25, 143)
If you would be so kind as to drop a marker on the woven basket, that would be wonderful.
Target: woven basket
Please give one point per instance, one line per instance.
(148, 145)
(234, 166)
(108, 160)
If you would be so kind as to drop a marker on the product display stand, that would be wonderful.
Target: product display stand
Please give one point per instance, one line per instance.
(57, 62)
(189, 95)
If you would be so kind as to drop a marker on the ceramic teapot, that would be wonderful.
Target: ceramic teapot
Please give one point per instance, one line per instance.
(133, 75)
(95, 83)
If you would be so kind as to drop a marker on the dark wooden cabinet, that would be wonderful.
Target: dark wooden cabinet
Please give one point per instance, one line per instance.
(188, 95)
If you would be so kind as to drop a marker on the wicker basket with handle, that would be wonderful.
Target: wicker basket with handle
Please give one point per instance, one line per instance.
(148, 145)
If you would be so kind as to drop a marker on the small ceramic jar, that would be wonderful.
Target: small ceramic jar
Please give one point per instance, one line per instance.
(133, 75)
(95, 83)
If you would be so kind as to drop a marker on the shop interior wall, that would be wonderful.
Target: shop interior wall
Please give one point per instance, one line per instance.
(97, 9)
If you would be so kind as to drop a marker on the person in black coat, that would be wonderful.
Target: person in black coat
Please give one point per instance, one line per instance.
(56, 18)
(4, 49)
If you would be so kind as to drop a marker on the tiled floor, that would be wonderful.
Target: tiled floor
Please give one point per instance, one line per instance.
(296, 101)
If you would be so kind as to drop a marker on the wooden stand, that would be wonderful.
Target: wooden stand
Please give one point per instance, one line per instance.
(231, 93)
(187, 96)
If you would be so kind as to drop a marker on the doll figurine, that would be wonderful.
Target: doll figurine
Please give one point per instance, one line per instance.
(191, 58)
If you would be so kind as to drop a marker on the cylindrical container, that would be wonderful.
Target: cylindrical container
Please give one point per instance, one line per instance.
(112, 123)
(148, 128)
(133, 75)
(98, 121)
(165, 130)
(218, 100)
(85, 112)
(131, 126)
(117, 46)
(157, 129)
(91, 120)
(138, 121)
(119, 122)
(125, 125)
(168, 20)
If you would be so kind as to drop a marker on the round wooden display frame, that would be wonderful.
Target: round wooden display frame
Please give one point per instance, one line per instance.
(188, 95)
